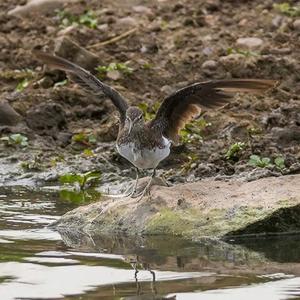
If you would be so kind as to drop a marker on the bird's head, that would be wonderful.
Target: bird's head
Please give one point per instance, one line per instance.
(134, 117)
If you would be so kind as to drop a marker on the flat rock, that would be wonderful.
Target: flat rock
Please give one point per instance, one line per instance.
(8, 116)
(208, 208)
(37, 6)
(70, 50)
(251, 43)
(296, 25)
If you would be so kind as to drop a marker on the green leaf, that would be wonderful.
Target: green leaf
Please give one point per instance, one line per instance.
(234, 150)
(61, 83)
(279, 162)
(70, 178)
(254, 160)
(286, 9)
(16, 139)
(22, 85)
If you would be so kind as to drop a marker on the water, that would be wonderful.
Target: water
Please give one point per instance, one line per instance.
(38, 263)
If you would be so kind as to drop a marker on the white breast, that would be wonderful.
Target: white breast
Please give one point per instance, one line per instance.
(145, 159)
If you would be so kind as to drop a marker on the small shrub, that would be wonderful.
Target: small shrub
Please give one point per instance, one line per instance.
(15, 139)
(80, 180)
(286, 9)
(235, 150)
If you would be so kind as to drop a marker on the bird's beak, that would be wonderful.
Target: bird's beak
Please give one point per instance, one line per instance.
(130, 126)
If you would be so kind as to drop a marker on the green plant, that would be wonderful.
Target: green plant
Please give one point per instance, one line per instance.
(15, 139)
(286, 9)
(261, 162)
(279, 162)
(149, 111)
(191, 163)
(119, 68)
(79, 197)
(192, 132)
(265, 162)
(234, 150)
(87, 19)
(81, 180)
(85, 139)
(61, 83)
(22, 84)
(79, 188)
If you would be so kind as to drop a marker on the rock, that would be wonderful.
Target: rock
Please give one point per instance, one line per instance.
(8, 116)
(46, 118)
(233, 61)
(142, 9)
(114, 74)
(287, 134)
(277, 21)
(211, 209)
(68, 49)
(39, 7)
(167, 89)
(296, 25)
(127, 21)
(210, 65)
(250, 43)
(90, 112)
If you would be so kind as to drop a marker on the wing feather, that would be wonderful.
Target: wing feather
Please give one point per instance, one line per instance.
(84, 78)
(183, 105)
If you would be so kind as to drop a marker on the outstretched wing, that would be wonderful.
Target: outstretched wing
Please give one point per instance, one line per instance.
(84, 78)
(183, 105)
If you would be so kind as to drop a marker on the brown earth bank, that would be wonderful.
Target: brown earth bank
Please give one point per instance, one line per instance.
(166, 45)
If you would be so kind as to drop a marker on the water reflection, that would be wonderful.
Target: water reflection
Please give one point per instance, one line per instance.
(35, 261)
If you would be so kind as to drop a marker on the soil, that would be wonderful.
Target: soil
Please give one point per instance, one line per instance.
(176, 43)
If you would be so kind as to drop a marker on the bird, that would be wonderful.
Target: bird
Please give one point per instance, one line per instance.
(146, 143)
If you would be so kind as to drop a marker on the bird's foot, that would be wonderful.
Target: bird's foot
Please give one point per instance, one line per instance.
(145, 191)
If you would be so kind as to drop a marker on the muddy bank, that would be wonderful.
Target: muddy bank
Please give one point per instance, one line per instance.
(207, 208)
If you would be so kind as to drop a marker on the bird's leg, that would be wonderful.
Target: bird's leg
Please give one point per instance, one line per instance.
(136, 182)
(134, 187)
(147, 187)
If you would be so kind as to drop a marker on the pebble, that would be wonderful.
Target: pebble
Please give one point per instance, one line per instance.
(142, 9)
(127, 21)
(250, 43)
(8, 116)
(296, 25)
(210, 65)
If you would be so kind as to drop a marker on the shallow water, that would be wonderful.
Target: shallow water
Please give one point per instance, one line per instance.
(38, 263)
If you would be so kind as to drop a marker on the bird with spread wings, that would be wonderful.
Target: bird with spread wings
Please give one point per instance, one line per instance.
(146, 144)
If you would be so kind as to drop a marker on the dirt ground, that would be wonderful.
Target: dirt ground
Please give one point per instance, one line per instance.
(169, 45)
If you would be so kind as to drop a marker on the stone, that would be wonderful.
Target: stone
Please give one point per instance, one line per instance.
(127, 21)
(232, 61)
(142, 9)
(210, 65)
(8, 116)
(113, 74)
(296, 25)
(70, 50)
(211, 208)
(250, 43)
(37, 7)
(46, 118)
